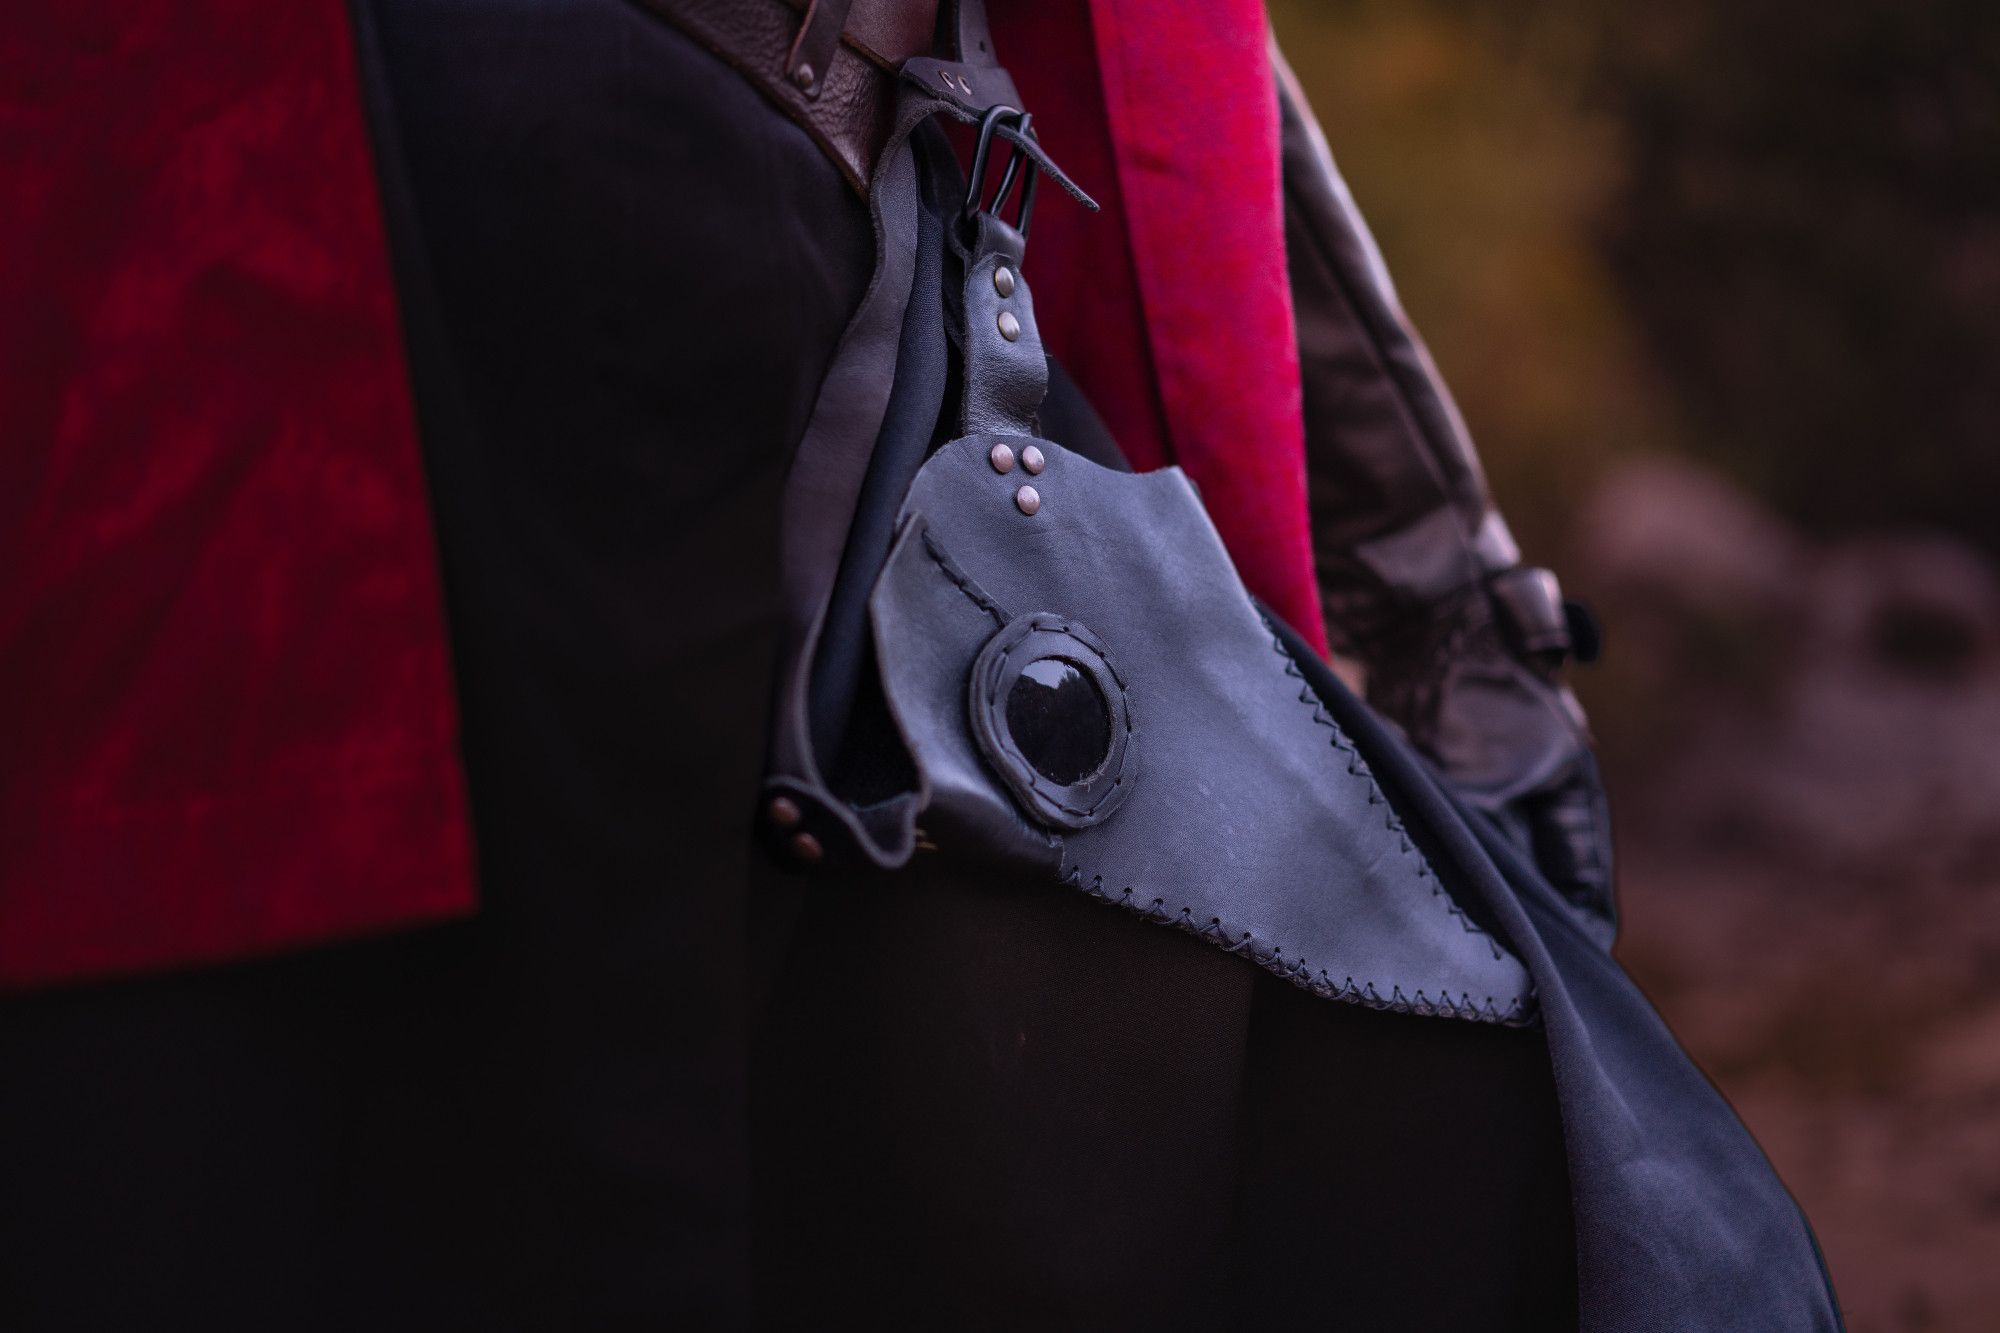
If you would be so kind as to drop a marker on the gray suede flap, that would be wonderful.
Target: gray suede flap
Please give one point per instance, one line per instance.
(1242, 813)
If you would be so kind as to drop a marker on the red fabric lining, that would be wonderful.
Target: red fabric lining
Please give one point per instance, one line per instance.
(1173, 308)
(225, 702)
(224, 695)
(1081, 264)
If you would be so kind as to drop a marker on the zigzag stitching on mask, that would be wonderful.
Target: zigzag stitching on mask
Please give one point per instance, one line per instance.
(1358, 767)
(1271, 958)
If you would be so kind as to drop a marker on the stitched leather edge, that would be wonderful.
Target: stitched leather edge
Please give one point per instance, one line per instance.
(1519, 1012)
(1358, 767)
(1271, 957)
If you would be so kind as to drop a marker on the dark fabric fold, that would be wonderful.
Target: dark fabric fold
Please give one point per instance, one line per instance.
(1681, 1222)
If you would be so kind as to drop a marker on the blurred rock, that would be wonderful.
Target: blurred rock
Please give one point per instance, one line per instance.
(1859, 1038)
(1836, 704)
(1915, 607)
(1661, 527)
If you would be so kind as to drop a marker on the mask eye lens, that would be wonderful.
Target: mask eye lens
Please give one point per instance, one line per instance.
(1049, 712)
(1058, 719)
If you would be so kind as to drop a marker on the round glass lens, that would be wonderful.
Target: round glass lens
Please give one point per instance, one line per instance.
(1059, 720)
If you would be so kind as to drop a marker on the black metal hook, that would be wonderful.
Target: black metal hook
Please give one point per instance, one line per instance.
(1020, 167)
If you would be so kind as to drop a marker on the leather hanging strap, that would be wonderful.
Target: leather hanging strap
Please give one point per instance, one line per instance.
(1004, 382)
(812, 50)
(802, 816)
(1006, 372)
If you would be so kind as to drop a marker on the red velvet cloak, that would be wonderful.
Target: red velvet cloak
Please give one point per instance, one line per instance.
(227, 723)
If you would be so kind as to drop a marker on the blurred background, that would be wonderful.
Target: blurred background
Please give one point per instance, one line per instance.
(1718, 288)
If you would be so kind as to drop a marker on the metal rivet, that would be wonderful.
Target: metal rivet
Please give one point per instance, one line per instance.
(1031, 459)
(784, 812)
(803, 75)
(1001, 457)
(806, 847)
(1003, 280)
(1010, 328)
(1029, 499)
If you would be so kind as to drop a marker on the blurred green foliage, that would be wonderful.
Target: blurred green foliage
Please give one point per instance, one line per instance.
(1766, 235)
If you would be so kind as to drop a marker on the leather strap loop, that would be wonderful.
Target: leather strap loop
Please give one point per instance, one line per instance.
(972, 89)
(1528, 602)
(1006, 372)
(806, 64)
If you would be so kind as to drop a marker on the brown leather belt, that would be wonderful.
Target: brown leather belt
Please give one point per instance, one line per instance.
(830, 65)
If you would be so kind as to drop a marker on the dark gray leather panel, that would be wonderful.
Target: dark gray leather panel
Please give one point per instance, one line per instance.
(1251, 820)
(930, 623)
(1005, 378)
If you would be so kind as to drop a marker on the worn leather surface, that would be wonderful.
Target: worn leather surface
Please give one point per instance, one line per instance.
(1005, 379)
(887, 33)
(1510, 737)
(828, 483)
(819, 32)
(851, 109)
(821, 495)
(1251, 821)
(975, 88)
(1261, 831)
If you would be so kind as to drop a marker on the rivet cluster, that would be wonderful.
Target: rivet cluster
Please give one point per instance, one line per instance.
(784, 813)
(1027, 499)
